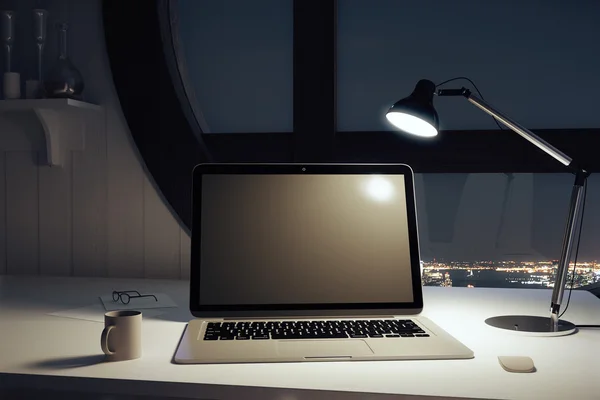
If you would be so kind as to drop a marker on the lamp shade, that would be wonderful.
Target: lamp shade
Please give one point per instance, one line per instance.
(415, 114)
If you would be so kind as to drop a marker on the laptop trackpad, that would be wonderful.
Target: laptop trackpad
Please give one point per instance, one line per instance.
(323, 348)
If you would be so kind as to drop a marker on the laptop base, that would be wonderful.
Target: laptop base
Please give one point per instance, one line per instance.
(193, 349)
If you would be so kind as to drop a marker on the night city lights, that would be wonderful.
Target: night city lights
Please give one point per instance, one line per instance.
(505, 274)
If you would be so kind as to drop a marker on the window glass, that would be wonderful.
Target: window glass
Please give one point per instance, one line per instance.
(502, 230)
(237, 55)
(531, 59)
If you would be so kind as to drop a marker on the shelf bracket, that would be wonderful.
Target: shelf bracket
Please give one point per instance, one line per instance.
(54, 125)
(64, 122)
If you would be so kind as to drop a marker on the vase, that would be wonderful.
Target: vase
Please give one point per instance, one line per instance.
(63, 79)
(11, 80)
(39, 22)
(8, 37)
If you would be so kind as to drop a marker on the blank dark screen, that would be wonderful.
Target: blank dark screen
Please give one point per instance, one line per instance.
(297, 239)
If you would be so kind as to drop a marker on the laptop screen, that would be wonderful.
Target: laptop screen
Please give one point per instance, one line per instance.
(304, 239)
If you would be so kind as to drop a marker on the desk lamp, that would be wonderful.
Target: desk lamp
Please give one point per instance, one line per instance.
(415, 115)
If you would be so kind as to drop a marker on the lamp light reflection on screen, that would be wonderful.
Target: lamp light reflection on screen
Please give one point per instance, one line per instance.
(379, 188)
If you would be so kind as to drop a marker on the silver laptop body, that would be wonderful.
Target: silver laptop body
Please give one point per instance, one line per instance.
(311, 262)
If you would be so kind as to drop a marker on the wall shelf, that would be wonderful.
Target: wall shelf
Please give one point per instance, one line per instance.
(59, 119)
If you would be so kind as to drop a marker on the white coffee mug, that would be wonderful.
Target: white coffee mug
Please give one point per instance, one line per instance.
(122, 335)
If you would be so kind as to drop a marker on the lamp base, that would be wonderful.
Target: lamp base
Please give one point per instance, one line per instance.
(531, 325)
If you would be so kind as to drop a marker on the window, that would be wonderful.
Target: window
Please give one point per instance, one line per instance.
(485, 197)
(531, 59)
(502, 230)
(237, 56)
(486, 229)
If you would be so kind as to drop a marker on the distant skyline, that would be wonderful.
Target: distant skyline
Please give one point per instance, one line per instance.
(524, 259)
(506, 274)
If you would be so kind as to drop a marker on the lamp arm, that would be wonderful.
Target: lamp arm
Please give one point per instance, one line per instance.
(524, 132)
(509, 123)
(575, 211)
(576, 203)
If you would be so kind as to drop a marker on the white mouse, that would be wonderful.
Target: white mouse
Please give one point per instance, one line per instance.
(517, 363)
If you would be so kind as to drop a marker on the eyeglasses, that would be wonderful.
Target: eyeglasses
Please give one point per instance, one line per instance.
(125, 296)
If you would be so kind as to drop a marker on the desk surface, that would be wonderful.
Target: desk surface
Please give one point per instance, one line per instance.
(44, 351)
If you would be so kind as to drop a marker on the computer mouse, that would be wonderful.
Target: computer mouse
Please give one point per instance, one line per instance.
(517, 363)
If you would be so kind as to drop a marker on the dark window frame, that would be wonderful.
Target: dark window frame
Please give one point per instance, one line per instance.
(170, 147)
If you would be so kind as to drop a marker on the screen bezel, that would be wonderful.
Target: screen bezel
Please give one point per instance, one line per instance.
(304, 309)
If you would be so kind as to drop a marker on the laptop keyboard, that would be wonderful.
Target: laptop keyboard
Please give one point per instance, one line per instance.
(337, 329)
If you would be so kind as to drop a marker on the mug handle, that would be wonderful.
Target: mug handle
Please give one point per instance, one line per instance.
(104, 340)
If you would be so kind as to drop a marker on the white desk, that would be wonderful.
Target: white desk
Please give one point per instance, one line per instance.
(47, 352)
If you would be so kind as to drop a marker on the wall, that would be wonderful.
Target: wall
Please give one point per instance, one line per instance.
(99, 214)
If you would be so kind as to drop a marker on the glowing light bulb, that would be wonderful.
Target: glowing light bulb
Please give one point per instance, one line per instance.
(411, 124)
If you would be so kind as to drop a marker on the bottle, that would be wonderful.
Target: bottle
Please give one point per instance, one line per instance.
(63, 80)
(34, 87)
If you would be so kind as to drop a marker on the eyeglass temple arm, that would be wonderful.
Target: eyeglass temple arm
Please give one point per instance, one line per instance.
(150, 295)
(143, 295)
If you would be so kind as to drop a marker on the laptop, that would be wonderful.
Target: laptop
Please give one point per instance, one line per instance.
(311, 262)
